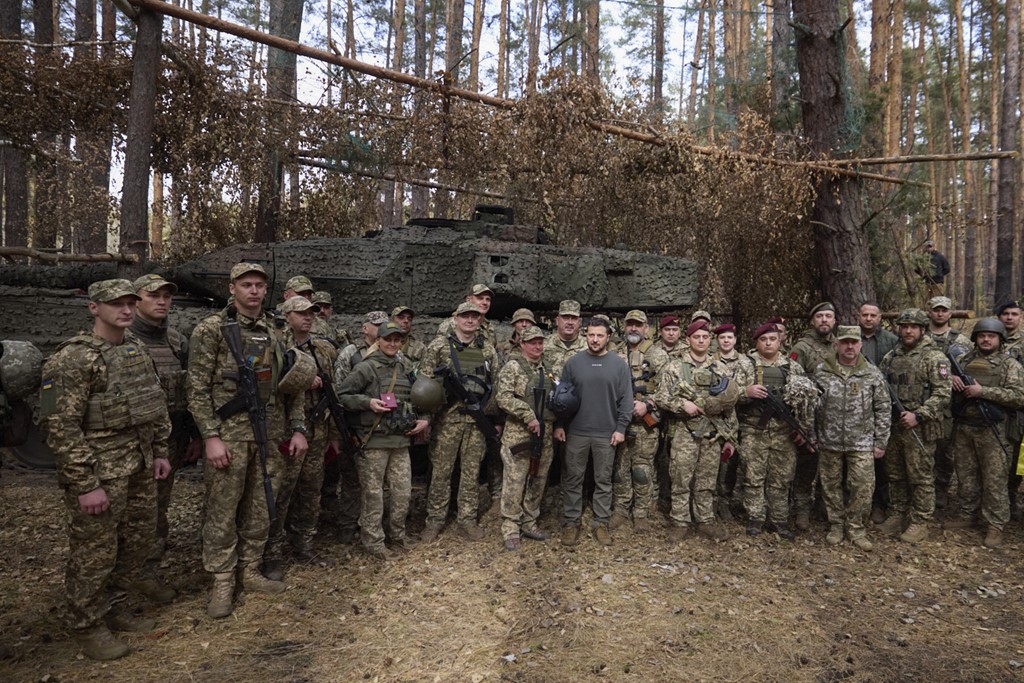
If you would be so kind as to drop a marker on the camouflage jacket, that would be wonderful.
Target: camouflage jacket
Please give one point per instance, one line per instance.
(136, 429)
(347, 359)
(795, 393)
(950, 338)
(438, 355)
(557, 352)
(1002, 380)
(486, 330)
(325, 355)
(683, 379)
(854, 410)
(335, 334)
(368, 380)
(811, 349)
(645, 365)
(676, 351)
(413, 349)
(740, 367)
(515, 397)
(169, 349)
(920, 378)
(211, 383)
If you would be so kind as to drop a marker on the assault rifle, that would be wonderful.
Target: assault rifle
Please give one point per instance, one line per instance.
(247, 398)
(650, 420)
(773, 406)
(983, 406)
(471, 406)
(899, 409)
(328, 403)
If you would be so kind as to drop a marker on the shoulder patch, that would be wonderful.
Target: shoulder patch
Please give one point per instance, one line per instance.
(944, 369)
(794, 355)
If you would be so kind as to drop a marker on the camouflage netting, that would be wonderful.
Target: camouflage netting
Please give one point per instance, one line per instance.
(742, 222)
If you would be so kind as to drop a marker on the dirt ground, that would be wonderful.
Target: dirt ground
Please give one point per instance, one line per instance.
(743, 610)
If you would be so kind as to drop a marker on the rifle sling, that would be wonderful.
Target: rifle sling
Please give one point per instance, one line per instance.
(380, 416)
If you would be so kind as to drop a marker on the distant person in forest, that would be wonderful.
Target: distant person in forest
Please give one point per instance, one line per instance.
(934, 275)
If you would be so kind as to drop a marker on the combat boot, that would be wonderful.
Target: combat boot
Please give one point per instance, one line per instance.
(715, 532)
(125, 622)
(618, 520)
(100, 644)
(893, 525)
(223, 590)
(862, 543)
(533, 533)
(723, 510)
(678, 534)
(430, 533)
(641, 525)
(471, 532)
(602, 535)
(570, 534)
(274, 569)
(993, 538)
(754, 527)
(254, 582)
(802, 521)
(877, 515)
(835, 535)
(915, 533)
(152, 589)
(303, 553)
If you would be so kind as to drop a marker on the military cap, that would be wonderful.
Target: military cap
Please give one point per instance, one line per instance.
(913, 316)
(376, 317)
(153, 282)
(848, 332)
(297, 304)
(726, 327)
(531, 332)
(1003, 306)
(481, 289)
(601, 316)
(700, 315)
(940, 302)
(638, 316)
(389, 328)
(399, 310)
(108, 290)
(299, 283)
(823, 306)
(322, 297)
(523, 314)
(763, 330)
(240, 269)
(669, 321)
(467, 307)
(696, 326)
(569, 307)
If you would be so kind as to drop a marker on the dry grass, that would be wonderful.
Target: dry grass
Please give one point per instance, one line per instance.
(743, 610)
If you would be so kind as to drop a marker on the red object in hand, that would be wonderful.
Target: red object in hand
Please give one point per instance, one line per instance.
(331, 454)
(728, 450)
(284, 447)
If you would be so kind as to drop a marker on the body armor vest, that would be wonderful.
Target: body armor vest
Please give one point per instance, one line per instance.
(172, 375)
(472, 366)
(987, 375)
(641, 372)
(944, 340)
(773, 378)
(399, 420)
(132, 397)
(536, 379)
(912, 389)
(258, 349)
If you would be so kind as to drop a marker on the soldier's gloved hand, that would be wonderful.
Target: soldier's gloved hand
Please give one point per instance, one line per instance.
(161, 468)
(95, 502)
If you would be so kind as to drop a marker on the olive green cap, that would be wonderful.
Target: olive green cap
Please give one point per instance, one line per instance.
(698, 315)
(569, 307)
(389, 328)
(240, 269)
(108, 290)
(322, 297)
(399, 310)
(299, 283)
(940, 302)
(467, 307)
(848, 332)
(529, 333)
(638, 316)
(523, 314)
(153, 282)
(297, 304)
(481, 289)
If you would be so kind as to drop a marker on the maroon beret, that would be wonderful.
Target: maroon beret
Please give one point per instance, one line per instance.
(777, 320)
(764, 329)
(669, 320)
(727, 327)
(696, 325)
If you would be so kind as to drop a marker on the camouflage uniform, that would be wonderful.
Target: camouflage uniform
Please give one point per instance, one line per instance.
(981, 461)
(385, 457)
(104, 438)
(1014, 347)
(769, 454)
(920, 378)
(741, 369)
(413, 349)
(943, 451)
(557, 352)
(694, 461)
(521, 492)
(852, 421)
(633, 479)
(297, 486)
(486, 331)
(169, 350)
(455, 433)
(678, 350)
(808, 351)
(344, 505)
(236, 524)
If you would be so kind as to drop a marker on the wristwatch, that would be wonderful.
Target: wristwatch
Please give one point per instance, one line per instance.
(300, 430)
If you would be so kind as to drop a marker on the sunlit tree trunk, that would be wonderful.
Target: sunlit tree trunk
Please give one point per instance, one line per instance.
(1009, 115)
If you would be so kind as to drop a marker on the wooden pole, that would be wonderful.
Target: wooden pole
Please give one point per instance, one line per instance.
(451, 91)
(49, 257)
(920, 158)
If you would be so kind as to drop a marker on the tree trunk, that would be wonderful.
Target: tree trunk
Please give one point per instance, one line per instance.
(894, 89)
(782, 56)
(531, 13)
(502, 49)
(698, 43)
(840, 237)
(141, 109)
(1005, 224)
(479, 7)
(46, 189)
(658, 100)
(156, 221)
(593, 53)
(13, 164)
(454, 14)
(91, 193)
(420, 195)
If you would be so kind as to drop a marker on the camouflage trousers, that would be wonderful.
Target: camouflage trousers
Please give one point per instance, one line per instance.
(176, 449)
(694, 468)
(768, 465)
(911, 475)
(633, 479)
(112, 545)
(451, 439)
(803, 481)
(297, 495)
(982, 469)
(522, 494)
(860, 481)
(378, 466)
(944, 465)
(342, 505)
(236, 524)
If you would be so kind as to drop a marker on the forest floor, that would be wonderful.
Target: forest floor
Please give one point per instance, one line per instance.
(641, 610)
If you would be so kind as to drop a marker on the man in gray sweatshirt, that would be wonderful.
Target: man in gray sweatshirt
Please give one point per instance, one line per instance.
(603, 383)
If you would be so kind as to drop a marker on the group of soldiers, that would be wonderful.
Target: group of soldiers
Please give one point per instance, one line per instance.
(292, 418)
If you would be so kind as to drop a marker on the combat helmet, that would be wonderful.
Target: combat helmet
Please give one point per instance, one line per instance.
(989, 325)
(426, 394)
(21, 367)
(298, 374)
(913, 316)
